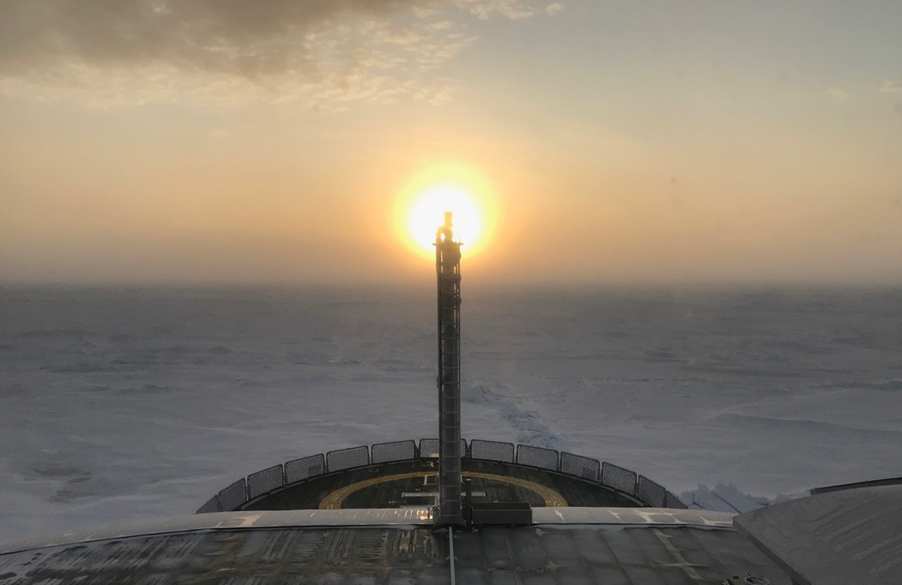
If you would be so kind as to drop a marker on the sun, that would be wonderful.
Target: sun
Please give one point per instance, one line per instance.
(422, 202)
(428, 212)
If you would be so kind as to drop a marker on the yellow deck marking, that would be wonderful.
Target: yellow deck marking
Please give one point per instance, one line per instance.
(551, 497)
(682, 563)
(334, 500)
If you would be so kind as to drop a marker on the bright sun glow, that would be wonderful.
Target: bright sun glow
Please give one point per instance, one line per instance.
(427, 215)
(462, 190)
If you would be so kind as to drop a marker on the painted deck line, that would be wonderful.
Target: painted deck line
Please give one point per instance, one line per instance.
(334, 500)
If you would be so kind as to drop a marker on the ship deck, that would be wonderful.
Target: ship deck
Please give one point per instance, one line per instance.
(570, 546)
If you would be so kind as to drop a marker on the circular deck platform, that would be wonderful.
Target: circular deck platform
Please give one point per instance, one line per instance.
(413, 484)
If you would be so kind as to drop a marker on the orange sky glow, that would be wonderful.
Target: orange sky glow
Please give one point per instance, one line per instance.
(599, 142)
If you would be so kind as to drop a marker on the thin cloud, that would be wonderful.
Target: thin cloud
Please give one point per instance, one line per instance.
(891, 87)
(440, 25)
(553, 8)
(512, 9)
(107, 52)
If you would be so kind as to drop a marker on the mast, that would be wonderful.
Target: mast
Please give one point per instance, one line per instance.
(447, 268)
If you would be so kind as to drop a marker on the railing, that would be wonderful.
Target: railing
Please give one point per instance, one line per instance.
(347, 458)
(298, 470)
(304, 468)
(580, 466)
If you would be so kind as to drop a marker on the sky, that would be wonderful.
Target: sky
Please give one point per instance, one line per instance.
(603, 141)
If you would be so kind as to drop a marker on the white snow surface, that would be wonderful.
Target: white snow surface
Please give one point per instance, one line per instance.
(120, 404)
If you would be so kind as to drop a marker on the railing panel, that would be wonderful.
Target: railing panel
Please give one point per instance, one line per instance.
(394, 451)
(619, 478)
(263, 481)
(429, 448)
(492, 451)
(212, 505)
(304, 468)
(233, 496)
(580, 466)
(651, 493)
(538, 457)
(347, 458)
(675, 502)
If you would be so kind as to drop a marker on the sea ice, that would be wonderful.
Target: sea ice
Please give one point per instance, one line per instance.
(122, 404)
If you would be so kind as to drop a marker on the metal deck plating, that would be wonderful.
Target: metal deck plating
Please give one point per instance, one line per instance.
(567, 545)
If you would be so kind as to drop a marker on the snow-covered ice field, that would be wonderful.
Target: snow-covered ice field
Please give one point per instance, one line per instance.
(126, 403)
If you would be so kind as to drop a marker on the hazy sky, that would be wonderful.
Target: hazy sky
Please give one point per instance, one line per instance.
(620, 141)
